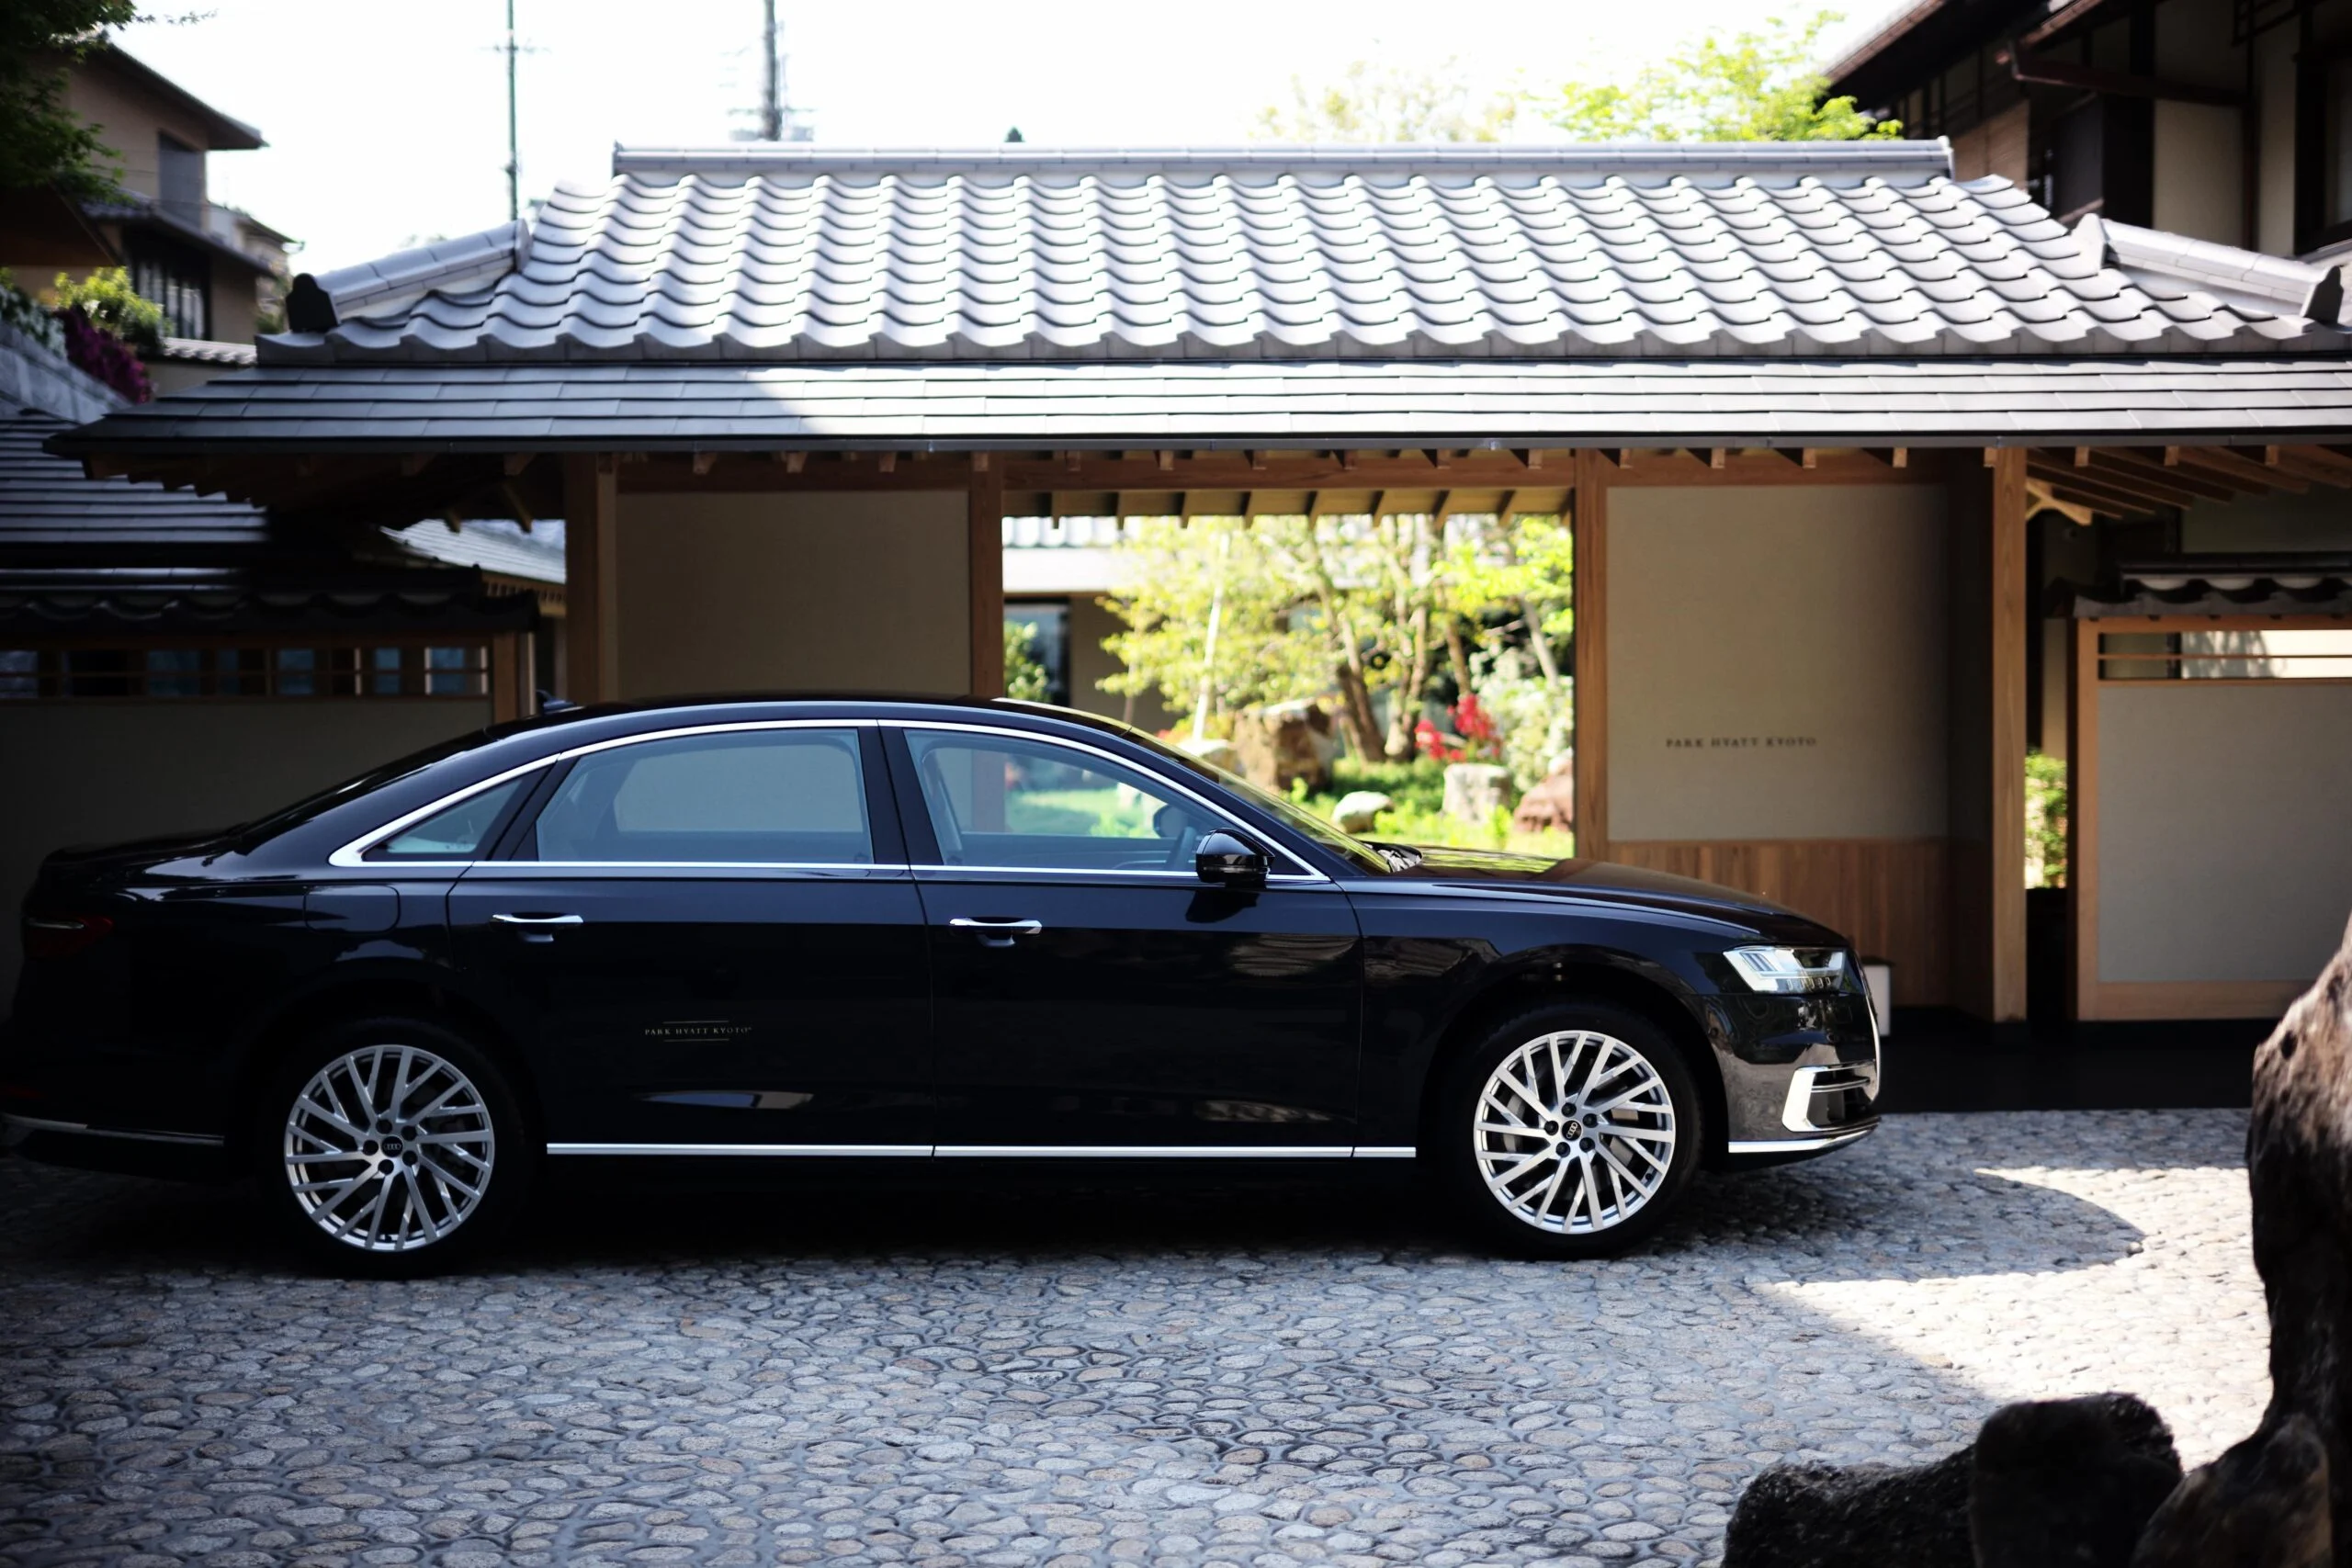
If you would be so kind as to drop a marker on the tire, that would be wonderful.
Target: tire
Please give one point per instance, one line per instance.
(391, 1195)
(1566, 1188)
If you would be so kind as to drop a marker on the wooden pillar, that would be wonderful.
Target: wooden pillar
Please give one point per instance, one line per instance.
(510, 676)
(592, 585)
(984, 518)
(2082, 820)
(1589, 565)
(2011, 623)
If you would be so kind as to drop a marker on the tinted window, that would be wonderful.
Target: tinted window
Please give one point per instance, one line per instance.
(461, 832)
(995, 801)
(762, 797)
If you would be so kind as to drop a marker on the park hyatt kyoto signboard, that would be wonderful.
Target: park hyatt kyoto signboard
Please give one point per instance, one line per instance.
(1777, 663)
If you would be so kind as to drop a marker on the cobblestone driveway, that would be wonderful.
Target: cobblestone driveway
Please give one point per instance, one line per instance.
(1304, 1374)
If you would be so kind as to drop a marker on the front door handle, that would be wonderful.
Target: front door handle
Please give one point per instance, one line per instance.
(997, 933)
(538, 919)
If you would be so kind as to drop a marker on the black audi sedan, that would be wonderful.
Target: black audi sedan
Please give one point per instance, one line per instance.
(761, 933)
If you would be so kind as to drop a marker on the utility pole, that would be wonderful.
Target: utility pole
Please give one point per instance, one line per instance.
(513, 137)
(772, 86)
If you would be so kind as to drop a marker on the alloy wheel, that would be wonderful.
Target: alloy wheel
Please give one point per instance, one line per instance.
(388, 1148)
(1575, 1132)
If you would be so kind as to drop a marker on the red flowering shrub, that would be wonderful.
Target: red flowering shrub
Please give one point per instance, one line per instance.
(1473, 739)
(103, 356)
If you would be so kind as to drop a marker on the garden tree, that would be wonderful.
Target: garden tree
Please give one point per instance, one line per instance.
(43, 142)
(1264, 652)
(1026, 676)
(1756, 87)
(1391, 103)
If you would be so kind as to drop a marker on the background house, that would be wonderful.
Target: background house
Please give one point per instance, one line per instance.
(217, 273)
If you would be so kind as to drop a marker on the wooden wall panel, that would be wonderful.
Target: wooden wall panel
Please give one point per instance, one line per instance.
(984, 524)
(1588, 586)
(1891, 897)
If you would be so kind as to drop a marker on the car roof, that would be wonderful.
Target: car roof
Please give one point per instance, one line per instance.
(841, 704)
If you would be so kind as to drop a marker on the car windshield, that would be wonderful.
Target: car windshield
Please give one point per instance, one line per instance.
(1354, 851)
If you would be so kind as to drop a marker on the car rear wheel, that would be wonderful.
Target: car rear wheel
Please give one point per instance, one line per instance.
(392, 1148)
(1570, 1132)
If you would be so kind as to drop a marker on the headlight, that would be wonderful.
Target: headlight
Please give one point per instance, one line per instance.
(1791, 971)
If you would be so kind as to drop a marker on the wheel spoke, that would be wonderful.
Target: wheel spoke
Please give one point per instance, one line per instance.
(1625, 1173)
(389, 1204)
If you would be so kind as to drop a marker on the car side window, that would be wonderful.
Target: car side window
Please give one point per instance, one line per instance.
(746, 797)
(455, 832)
(997, 801)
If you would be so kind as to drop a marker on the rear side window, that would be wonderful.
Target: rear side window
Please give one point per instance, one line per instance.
(758, 797)
(457, 832)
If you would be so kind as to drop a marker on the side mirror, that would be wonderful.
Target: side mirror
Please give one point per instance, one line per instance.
(1224, 860)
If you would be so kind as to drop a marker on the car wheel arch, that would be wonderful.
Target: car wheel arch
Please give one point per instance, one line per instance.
(1587, 981)
(410, 996)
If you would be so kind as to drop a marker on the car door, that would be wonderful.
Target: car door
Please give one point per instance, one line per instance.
(1093, 994)
(716, 944)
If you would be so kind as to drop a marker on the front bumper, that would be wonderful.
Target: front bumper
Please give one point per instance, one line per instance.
(1800, 1074)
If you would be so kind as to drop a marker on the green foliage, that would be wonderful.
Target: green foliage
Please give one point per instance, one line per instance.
(1755, 86)
(43, 142)
(1024, 672)
(1390, 102)
(114, 307)
(1264, 651)
(28, 315)
(2045, 820)
(1419, 817)
(1532, 714)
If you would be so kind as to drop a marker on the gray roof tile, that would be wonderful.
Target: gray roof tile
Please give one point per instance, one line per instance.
(784, 253)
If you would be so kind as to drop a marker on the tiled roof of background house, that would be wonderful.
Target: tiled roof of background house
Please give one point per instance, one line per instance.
(47, 502)
(497, 547)
(1828, 250)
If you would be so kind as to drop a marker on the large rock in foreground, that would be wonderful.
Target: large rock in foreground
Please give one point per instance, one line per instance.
(2262, 1505)
(2299, 1164)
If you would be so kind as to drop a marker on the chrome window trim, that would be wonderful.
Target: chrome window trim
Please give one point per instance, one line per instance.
(352, 855)
(1305, 873)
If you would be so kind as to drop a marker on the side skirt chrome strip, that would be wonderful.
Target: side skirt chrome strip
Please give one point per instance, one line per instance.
(996, 1151)
(1797, 1146)
(39, 1124)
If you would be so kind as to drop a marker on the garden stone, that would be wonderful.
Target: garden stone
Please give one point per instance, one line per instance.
(2299, 1166)
(2069, 1481)
(1476, 791)
(1859, 1516)
(1358, 809)
(2262, 1505)
(1551, 806)
(1286, 742)
(1216, 753)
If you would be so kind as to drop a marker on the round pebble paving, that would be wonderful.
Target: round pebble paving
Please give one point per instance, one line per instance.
(1017, 1375)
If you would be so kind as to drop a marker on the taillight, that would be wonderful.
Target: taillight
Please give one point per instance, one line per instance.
(62, 936)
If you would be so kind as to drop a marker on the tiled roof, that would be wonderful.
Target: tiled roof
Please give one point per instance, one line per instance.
(493, 545)
(666, 407)
(47, 504)
(352, 601)
(2304, 583)
(1831, 250)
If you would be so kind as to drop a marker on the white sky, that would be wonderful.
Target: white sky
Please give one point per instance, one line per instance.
(387, 118)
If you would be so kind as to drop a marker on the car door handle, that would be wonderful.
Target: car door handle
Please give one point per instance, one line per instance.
(997, 933)
(538, 919)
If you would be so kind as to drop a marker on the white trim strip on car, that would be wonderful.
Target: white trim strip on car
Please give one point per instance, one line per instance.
(1797, 1146)
(41, 1124)
(997, 1151)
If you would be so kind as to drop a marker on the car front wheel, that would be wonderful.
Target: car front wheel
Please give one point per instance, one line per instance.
(1570, 1131)
(392, 1147)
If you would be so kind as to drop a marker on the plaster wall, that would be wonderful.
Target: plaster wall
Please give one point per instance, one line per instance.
(1778, 662)
(2224, 850)
(100, 772)
(2198, 172)
(2320, 519)
(807, 592)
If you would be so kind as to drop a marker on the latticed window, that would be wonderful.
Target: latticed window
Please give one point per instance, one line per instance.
(235, 669)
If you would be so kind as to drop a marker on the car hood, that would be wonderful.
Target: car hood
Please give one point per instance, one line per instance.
(1607, 882)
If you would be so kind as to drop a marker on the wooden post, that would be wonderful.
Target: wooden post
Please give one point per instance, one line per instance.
(1588, 591)
(2082, 820)
(984, 519)
(2011, 623)
(592, 583)
(510, 676)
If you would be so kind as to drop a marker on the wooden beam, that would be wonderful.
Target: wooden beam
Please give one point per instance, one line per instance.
(513, 463)
(890, 462)
(2148, 471)
(984, 566)
(2074, 481)
(592, 580)
(414, 464)
(704, 462)
(796, 461)
(1893, 456)
(2012, 622)
(1717, 457)
(1589, 545)
(2238, 471)
(1165, 462)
